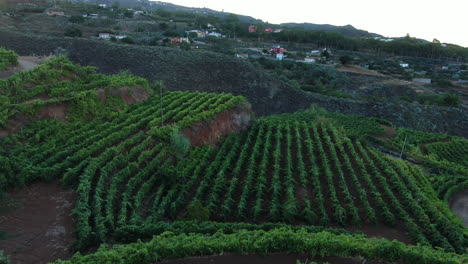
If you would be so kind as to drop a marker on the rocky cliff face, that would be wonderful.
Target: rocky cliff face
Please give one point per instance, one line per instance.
(210, 72)
(230, 121)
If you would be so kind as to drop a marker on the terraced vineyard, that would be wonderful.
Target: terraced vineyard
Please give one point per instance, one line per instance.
(293, 179)
(58, 150)
(303, 173)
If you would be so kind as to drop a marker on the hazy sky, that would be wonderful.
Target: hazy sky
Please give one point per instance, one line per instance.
(446, 20)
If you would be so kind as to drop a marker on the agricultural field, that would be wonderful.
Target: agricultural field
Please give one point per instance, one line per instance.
(151, 177)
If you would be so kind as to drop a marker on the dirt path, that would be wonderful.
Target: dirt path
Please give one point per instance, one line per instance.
(40, 227)
(459, 205)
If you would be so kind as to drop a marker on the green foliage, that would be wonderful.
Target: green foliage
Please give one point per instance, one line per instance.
(73, 32)
(128, 40)
(196, 211)
(447, 99)
(3, 259)
(345, 59)
(61, 81)
(77, 19)
(185, 46)
(7, 58)
(308, 77)
(170, 246)
(179, 143)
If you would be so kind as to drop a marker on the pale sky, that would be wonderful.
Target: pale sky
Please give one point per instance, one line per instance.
(445, 20)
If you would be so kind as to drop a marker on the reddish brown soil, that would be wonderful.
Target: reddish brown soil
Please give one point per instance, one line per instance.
(25, 63)
(422, 146)
(359, 70)
(230, 121)
(130, 95)
(283, 258)
(41, 225)
(54, 110)
(390, 132)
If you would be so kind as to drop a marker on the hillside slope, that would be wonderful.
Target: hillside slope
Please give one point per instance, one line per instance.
(210, 72)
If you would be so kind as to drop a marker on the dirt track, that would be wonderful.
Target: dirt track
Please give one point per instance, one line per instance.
(25, 63)
(459, 205)
(40, 228)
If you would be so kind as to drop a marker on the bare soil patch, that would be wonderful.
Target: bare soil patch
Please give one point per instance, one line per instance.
(40, 226)
(359, 70)
(459, 205)
(25, 63)
(390, 132)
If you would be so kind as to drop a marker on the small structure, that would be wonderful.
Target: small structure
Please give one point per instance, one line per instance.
(138, 13)
(268, 30)
(200, 34)
(179, 41)
(93, 16)
(103, 5)
(443, 45)
(104, 35)
(215, 34)
(278, 51)
(55, 13)
(404, 65)
(309, 60)
(120, 36)
(384, 39)
(279, 30)
(242, 55)
(315, 53)
(252, 29)
(422, 80)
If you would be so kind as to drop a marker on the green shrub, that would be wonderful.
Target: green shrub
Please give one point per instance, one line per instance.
(196, 211)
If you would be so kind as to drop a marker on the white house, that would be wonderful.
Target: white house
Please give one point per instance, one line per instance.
(103, 5)
(120, 36)
(315, 52)
(404, 65)
(215, 34)
(309, 60)
(242, 55)
(422, 80)
(104, 36)
(279, 56)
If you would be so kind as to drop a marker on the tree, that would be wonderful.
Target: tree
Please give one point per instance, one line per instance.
(193, 35)
(128, 40)
(73, 32)
(449, 99)
(345, 59)
(116, 5)
(185, 46)
(76, 19)
(163, 26)
(196, 211)
(128, 14)
(325, 54)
